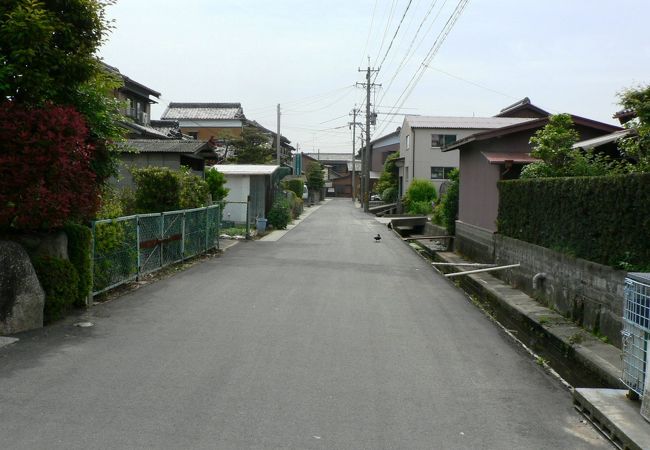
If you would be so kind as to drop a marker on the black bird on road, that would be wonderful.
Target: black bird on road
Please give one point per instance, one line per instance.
(378, 237)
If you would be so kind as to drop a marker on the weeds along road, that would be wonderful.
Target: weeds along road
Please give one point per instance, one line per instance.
(323, 339)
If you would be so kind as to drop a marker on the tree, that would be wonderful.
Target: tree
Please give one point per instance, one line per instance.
(553, 144)
(216, 183)
(315, 179)
(46, 176)
(48, 58)
(48, 48)
(388, 178)
(252, 147)
(637, 146)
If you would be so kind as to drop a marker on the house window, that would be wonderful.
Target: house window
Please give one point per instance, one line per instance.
(408, 141)
(438, 140)
(441, 173)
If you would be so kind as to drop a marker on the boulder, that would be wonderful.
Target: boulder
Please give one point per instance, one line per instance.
(21, 295)
(53, 244)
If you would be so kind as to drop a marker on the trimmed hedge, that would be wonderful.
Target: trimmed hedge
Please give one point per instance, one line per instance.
(601, 219)
(295, 185)
(60, 282)
(79, 249)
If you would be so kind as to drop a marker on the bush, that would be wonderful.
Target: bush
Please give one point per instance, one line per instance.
(422, 208)
(419, 191)
(194, 191)
(60, 282)
(295, 185)
(157, 189)
(216, 183)
(389, 195)
(602, 219)
(449, 203)
(280, 214)
(161, 189)
(45, 168)
(79, 252)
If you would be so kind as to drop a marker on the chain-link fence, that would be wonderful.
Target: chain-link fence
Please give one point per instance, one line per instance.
(127, 247)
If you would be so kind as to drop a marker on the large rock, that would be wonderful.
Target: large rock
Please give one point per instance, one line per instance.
(21, 295)
(53, 244)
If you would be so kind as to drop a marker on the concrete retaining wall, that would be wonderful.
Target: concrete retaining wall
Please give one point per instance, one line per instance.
(590, 294)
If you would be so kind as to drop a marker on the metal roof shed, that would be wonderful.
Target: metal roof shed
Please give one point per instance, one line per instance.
(243, 180)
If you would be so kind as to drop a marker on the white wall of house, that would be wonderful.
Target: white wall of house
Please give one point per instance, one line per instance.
(239, 186)
(420, 156)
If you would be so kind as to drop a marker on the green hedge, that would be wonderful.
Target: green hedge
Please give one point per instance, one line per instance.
(601, 219)
(60, 282)
(295, 185)
(79, 242)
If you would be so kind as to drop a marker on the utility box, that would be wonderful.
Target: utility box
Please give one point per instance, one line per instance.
(636, 331)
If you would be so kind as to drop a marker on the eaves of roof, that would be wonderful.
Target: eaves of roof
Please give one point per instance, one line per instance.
(527, 125)
(165, 146)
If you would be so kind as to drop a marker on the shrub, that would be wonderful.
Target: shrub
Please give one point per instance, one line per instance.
(60, 282)
(295, 185)
(216, 184)
(418, 192)
(157, 189)
(315, 179)
(45, 167)
(79, 252)
(422, 208)
(280, 214)
(194, 191)
(602, 219)
(449, 203)
(389, 195)
(161, 189)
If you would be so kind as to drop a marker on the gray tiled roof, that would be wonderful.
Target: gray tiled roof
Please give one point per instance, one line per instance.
(468, 123)
(144, 130)
(164, 146)
(203, 111)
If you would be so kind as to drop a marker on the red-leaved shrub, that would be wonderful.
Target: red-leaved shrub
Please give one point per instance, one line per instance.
(45, 173)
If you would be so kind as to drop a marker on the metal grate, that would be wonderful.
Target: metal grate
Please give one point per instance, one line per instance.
(636, 332)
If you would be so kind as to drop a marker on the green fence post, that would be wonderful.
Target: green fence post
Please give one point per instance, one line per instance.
(183, 236)
(89, 299)
(160, 238)
(218, 226)
(207, 229)
(248, 220)
(137, 246)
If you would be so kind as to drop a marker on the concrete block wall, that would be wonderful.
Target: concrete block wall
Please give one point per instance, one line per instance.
(474, 243)
(590, 294)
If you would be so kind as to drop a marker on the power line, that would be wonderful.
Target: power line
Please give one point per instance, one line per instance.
(408, 55)
(395, 35)
(417, 76)
(372, 22)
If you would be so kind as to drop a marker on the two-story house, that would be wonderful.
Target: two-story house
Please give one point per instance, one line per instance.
(422, 138)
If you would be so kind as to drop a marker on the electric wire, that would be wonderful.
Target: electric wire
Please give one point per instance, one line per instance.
(417, 76)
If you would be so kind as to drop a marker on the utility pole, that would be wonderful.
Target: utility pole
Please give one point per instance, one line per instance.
(278, 139)
(354, 124)
(366, 149)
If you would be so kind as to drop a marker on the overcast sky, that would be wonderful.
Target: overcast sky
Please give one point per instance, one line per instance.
(565, 55)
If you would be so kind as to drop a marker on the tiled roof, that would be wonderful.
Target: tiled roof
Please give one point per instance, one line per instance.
(164, 146)
(144, 130)
(246, 169)
(204, 111)
(169, 128)
(467, 123)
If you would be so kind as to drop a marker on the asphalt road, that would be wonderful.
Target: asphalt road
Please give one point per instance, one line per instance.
(323, 339)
